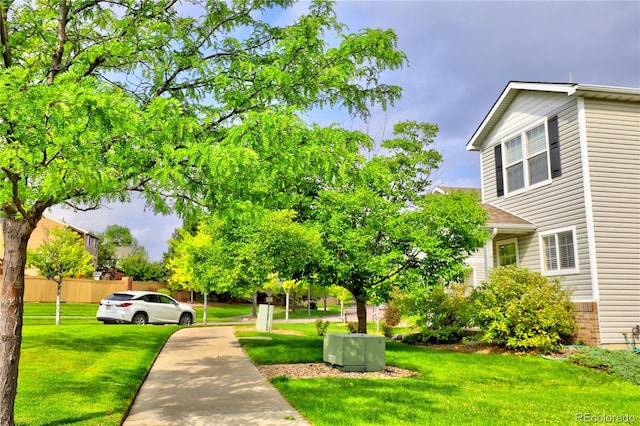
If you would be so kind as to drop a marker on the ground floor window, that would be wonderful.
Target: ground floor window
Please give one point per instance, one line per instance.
(559, 251)
(508, 252)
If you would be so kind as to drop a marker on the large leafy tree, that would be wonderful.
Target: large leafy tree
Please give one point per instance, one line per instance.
(61, 255)
(100, 98)
(383, 231)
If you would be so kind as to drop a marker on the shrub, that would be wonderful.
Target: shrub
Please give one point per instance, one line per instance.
(442, 312)
(352, 327)
(321, 327)
(414, 339)
(164, 291)
(387, 330)
(391, 315)
(522, 310)
(623, 364)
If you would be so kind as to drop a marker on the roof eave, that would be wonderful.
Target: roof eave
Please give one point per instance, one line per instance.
(512, 228)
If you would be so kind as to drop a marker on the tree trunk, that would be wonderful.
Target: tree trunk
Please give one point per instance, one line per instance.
(58, 302)
(361, 306)
(16, 234)
(254, 307)
(204, 315)
(286, 308)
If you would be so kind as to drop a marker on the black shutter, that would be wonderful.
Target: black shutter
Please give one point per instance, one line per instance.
(499, 180)
(554, 147)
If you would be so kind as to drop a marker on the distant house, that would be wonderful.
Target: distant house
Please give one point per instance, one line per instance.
(46, 223)
(560, 166)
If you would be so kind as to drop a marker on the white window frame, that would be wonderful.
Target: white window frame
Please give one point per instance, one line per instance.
(560, 270)
(525, 157)
(505, 242)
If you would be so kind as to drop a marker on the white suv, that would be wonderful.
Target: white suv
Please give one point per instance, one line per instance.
(144, 307)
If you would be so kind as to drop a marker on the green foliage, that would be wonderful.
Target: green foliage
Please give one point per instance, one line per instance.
(622, 364)
(414, 339)
(113, 237)
(185, 104)
(392, 315)
(387, 330)
(520, 309)
(241, 252)
(138, 267)
(382, 231)
(442, 312)
(321, 326)
(62, 254)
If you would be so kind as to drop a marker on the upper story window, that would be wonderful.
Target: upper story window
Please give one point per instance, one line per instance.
(529, 158)
(91, 241)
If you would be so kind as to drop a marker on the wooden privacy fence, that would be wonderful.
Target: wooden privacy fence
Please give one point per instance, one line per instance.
(78, 290)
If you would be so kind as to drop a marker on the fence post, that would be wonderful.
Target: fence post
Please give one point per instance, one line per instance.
(128, 283)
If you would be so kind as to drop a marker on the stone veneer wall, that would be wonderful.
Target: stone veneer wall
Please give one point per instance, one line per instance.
(587, 319)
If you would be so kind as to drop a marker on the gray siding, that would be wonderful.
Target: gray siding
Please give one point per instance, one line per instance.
(613, 134)
(556, 205)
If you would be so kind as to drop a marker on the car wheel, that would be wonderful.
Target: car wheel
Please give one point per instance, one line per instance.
(139, 319)
(185, 319)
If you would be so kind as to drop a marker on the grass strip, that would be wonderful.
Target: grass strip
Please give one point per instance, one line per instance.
(453, 388)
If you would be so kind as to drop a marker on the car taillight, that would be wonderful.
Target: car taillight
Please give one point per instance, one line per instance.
(123, 305)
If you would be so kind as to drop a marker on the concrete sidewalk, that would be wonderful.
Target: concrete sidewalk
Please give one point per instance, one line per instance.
(202, 377)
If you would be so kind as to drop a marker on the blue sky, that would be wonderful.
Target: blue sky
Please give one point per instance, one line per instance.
(461, 56)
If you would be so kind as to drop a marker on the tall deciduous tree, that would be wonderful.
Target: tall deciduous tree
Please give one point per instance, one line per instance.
(100, 98)
(61, 255)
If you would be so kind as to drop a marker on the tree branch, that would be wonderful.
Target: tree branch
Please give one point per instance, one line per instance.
(56, 61)
(4, 33)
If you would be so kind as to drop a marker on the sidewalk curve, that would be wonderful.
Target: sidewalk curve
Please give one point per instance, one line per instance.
(203, 377)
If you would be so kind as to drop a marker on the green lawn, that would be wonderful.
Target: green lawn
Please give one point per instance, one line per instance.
(302, 312)
(83, 374)
(453, 388)
(76, 313)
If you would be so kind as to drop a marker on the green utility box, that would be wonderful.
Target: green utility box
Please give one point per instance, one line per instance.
(354, 352)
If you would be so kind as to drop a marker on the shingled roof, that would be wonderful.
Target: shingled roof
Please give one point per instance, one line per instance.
(506, 222)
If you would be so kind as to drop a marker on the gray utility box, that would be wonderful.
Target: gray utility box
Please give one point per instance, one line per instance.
(354, 352)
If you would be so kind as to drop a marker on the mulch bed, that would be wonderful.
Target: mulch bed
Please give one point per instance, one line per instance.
(319, 370)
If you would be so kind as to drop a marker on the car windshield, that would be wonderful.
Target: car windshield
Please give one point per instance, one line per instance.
(120, 296)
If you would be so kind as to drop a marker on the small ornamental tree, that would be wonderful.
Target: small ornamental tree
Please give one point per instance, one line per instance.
(61, 255)
(520, 309)
(382, 230)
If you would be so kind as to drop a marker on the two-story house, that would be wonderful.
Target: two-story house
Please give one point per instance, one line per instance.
(561, 164)
(40, 233)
